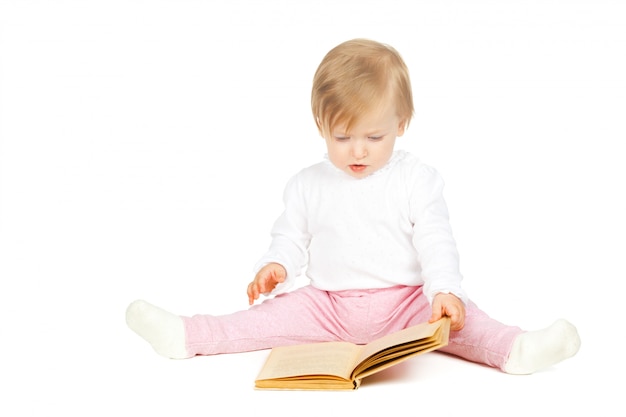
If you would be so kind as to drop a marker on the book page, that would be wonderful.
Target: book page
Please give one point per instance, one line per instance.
(410, 334)
(328, 358)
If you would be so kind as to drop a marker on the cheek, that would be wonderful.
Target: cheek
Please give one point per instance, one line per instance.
(335, 156)
(385, 154)
(334, 151)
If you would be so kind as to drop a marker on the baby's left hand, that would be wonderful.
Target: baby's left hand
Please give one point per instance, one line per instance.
(449, 305)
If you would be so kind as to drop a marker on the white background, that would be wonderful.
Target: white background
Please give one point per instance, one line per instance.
(144, 146)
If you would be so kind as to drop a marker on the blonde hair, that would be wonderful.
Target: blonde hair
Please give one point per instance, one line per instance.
(355, 77)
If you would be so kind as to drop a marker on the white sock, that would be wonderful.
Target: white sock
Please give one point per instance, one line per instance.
(163, 330)
(536, 350)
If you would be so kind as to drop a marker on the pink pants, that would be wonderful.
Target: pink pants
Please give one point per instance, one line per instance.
(309, 315)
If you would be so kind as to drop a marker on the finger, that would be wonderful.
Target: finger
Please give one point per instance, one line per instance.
(436, 311)
(456, 320)
(253, 293)
(460, 322)
(436, 315)
(262, 287)
(274, 278)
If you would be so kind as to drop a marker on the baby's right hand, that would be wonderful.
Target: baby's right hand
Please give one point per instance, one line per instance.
(266, 280)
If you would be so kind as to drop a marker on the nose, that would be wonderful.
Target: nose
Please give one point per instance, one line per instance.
(359, 149)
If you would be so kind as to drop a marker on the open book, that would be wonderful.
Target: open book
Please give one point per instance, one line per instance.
(342, 365)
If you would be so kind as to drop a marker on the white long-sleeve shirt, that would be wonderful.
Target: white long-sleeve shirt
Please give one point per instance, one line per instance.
(389, 228)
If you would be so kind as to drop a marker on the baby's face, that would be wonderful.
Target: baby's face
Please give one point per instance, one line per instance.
(368, 145)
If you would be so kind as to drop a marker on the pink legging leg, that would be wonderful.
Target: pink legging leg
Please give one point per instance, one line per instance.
(482, 339)
(310, 315)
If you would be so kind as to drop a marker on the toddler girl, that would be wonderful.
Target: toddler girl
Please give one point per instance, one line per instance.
(369, 227)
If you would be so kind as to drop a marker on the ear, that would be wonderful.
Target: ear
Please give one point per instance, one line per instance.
(401, 128)
(318, 123)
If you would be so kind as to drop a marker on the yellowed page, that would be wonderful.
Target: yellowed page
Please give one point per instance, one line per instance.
(328, 358)
(377, 366)
(410, 334)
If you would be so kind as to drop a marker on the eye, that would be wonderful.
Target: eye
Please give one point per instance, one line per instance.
(375, 138)
(342, 138)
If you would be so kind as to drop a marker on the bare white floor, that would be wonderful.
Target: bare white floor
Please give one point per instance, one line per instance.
(125, 379)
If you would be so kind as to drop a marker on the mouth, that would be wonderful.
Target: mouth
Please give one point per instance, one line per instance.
(358, 167)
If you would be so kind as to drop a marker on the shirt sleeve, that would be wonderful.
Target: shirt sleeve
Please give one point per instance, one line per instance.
(432, 235)
(290, 236)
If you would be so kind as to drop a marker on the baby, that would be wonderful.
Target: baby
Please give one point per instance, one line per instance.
(369, 227)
